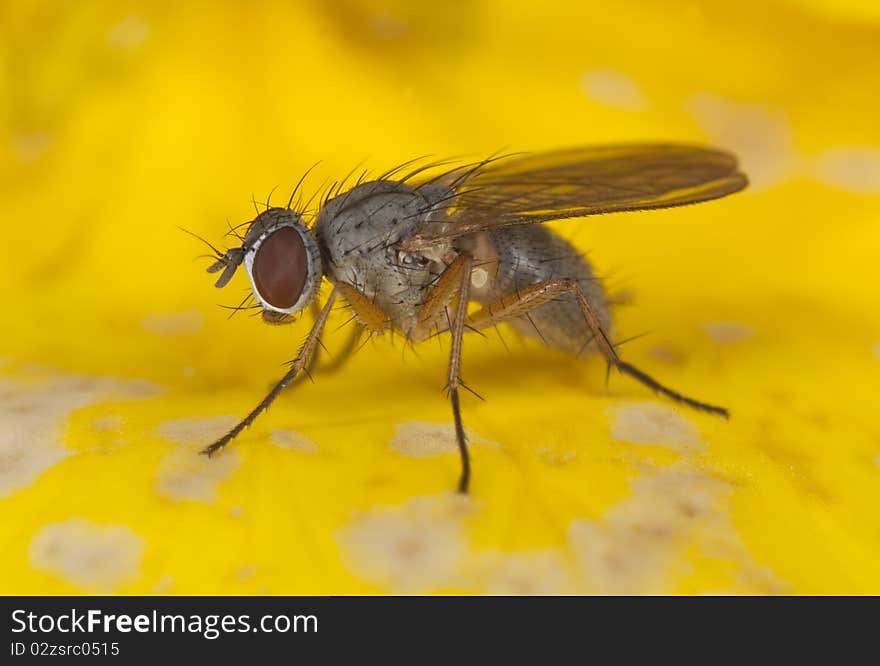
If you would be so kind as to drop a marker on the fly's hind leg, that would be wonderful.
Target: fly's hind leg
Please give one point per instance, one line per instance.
(530, 298)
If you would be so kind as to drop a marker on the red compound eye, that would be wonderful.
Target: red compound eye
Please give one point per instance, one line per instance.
(280, 268)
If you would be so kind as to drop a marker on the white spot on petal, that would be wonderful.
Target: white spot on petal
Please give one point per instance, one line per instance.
(630, 551)
(530, 573)
(164, 585)
(30, 147)
(196, 429)
(637, 546)
(387, 25)
(186, 474)
(555, 457)
(293, 441)
(97, 558)
(246, 572)
(727, 332)
(419, 439)
(107, 423)
(614, 89)
(413, 548)
(667, 355)
(129, 33)
(853, 168)
(761, 136)
(172, 323)
(654, 423)
(33, 415)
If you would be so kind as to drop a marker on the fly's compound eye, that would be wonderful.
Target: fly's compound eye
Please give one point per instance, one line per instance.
(280, 268)
(284, 267)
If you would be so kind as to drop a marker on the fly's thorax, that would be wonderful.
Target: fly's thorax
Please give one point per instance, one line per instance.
(359, 233)
(375, 215)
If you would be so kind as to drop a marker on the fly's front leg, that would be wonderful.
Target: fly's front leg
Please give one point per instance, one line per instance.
(530, 298)
(368, 316)
(299, 363)
(367, 313)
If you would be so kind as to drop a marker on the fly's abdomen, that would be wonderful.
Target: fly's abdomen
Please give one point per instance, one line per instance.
(530, 255)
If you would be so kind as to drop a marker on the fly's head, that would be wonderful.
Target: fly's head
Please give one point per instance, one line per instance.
(282, 260)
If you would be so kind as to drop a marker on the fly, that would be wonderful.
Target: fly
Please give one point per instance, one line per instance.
(409, 252)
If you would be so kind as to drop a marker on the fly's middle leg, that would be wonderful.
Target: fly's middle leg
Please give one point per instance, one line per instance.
(530, 298)
(453, 378)
(453, 284)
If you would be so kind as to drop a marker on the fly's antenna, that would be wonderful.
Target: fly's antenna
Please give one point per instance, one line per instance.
(227, 261)
(216, 251)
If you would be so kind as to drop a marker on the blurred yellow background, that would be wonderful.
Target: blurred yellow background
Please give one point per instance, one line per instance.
(122, 120)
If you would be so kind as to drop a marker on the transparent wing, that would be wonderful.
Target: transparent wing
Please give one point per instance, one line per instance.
(537, 187)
